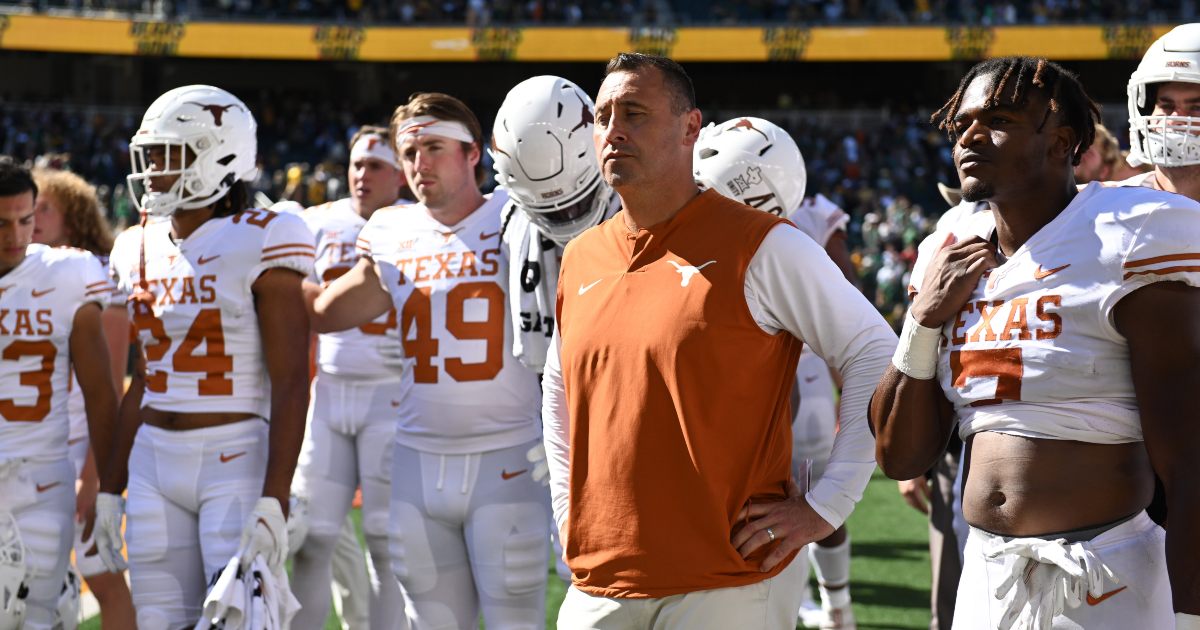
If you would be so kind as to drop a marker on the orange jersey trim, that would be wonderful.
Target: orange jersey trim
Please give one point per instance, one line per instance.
(287, 254)
(1161, 259)
(287, 245)
(1161, 272)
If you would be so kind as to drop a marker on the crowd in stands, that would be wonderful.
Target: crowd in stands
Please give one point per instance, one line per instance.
(883, 174)
(649, 12)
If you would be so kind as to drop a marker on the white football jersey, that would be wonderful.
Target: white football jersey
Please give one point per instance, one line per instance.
(819, 218)
(447, 282)
(1035, 351)
(371, 351)
(75, 404)
(200, 338)
(533, 282)
(38, 302)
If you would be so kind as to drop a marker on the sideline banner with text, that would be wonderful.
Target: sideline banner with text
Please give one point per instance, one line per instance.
(244, 40)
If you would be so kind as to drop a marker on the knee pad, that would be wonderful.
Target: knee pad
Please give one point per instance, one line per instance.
(519, 534)
(409, 549)
(375, 522)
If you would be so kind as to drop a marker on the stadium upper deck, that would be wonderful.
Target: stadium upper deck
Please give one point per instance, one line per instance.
(645, 12)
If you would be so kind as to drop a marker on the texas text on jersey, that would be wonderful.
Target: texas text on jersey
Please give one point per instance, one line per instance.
(447, 284)
(202, 327)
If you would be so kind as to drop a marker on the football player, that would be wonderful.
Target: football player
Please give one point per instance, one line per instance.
(469, 525)
(1164, 113)
(50, 311)
(541, 151)
(215, 296)
(756, 162)
(68, 214)
(360, 391)
(1058, 333)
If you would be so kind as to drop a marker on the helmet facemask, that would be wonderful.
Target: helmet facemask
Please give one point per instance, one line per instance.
(158, 158)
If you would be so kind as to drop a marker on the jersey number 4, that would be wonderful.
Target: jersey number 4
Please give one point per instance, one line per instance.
(206, 329)
(417, 316)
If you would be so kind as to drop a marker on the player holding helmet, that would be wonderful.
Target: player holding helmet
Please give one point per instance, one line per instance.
(756, 162)
(216, 300)
(51, 301)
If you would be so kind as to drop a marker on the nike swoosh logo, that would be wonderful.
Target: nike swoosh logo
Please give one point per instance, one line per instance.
(228, 458)
(584, 289)
(504, 474)
(41, 488)
(1092, 601)
(809, 379)
(1041, 274)
(204, 261)
(74, 441)
(483, 236)
(395, 403)
(38, 294)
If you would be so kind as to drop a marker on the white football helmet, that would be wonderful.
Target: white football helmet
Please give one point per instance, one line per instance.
(66, 616)
(753, 161)
(1165, 140)
(204, 136)
(13, 570)
(543, 154)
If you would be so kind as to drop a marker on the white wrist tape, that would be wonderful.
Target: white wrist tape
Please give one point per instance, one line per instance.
(917, 353)
(1184, 621)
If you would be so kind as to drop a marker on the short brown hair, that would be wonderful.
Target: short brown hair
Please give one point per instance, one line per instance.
(443, 107)
(86, 226)
(371, 130)
(674, 76)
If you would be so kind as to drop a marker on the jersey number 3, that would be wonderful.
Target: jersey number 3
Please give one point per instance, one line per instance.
(423, 346)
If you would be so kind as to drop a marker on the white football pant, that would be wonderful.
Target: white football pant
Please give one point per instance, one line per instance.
(41, 497)
(190, 493)
(87, 558)
(470, 532)
(352, 425)
(1135, 551)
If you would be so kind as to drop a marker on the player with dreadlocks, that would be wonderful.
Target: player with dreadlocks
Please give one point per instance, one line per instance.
(1059, 333)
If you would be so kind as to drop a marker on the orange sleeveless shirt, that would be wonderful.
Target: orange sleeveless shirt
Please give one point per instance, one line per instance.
(679, 403)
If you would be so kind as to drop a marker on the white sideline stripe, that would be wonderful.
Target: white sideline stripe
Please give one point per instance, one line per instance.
(88, 606)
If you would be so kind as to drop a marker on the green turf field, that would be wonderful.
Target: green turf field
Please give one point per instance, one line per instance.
(890, 568)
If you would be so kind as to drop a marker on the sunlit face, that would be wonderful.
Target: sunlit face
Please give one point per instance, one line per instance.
(639, 137)
(16, 229)
(438, 168)
(373, 183)
(49, 225)
(997, 146)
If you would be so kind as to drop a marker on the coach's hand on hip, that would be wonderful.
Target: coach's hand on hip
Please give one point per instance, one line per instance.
(790, 524)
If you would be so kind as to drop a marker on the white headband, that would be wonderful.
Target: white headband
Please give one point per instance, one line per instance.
(373, 146)
(431, 126)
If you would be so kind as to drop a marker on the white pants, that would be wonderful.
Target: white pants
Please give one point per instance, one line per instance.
(42, 500)
(351, 427)
(1135, 552)
(190, 493)
(87, 557)
(470, 532)
(767, 605)
(815, 423)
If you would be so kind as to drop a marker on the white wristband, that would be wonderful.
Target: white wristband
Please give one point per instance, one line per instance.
(1184, 621)
(917, 353)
